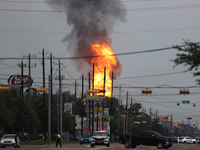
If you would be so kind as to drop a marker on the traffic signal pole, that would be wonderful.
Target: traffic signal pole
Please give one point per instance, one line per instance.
(43, 65)
(82, 105)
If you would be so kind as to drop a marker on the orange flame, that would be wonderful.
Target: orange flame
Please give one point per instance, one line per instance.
(106, 59)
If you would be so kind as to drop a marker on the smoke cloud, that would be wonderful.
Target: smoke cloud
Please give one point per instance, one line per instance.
(92, 21)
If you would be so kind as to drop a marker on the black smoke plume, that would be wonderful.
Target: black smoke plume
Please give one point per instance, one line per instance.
(92, 21)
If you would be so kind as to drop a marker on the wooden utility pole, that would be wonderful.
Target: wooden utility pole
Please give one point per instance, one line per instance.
(82, 105)
(44, 94)
(75, 113)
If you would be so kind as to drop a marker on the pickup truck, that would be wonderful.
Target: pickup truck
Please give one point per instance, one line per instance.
(147, 137)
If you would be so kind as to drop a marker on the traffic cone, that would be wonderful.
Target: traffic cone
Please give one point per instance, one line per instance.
(140, 145)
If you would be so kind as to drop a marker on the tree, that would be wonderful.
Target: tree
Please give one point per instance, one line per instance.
(191, 56)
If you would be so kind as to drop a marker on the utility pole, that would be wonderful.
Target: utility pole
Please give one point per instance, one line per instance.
(111, 113)
(44, 94)
(126, 120)
(75, 113)
(150, 123)
(61, 102)
(82, 105)
(104, 87)
(93, 106)
(51, 95)
(22, 94)
(49, 111)
(89, 107)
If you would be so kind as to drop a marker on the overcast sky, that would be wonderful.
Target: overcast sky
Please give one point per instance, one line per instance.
(27, 26)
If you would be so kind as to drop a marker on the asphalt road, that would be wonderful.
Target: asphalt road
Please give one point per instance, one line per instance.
(113, 146)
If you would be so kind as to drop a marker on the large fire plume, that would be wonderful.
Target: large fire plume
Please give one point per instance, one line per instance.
(92, 21)
(108, 60)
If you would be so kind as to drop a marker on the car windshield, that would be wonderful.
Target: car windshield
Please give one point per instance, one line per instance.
(8, 137)
(100, 134)
(156, 134)
(85, 136)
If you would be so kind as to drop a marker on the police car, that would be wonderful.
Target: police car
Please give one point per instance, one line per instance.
(100, 138)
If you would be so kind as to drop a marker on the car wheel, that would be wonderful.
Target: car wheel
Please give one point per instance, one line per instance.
(19, 146)
(160, 145)
(134, 145)
(92, 145)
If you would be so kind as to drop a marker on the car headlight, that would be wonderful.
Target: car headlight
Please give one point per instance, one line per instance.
(89, 139)
(1, 141)
(81, 139)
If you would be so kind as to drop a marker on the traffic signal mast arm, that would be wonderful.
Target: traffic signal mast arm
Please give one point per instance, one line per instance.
(184, 91)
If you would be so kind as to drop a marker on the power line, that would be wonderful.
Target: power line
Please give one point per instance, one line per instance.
(152, 75)
(145, 31)
(119, 54)
(131, 10)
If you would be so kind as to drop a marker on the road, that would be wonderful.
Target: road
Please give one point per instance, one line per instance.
(113, 146)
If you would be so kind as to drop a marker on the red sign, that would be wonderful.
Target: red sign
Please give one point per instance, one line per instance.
(16, 80)
(86, 130)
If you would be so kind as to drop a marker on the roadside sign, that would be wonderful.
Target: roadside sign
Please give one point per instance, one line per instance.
(136, 122)
(185, 102)
(111, 117)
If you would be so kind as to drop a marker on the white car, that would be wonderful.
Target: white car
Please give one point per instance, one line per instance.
(188, 140)
(9, 140)
(100, 138)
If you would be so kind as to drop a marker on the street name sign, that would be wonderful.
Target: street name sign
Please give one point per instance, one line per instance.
(185, 102)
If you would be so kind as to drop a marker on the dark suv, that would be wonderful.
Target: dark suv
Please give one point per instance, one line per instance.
(152, 138)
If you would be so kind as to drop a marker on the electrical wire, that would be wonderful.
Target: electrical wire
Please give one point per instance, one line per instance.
(119, 54)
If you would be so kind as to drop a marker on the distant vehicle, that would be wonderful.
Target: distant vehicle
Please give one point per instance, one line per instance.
(188, 139)
(174, 140)
(180, 138)
(85, 139)
(147, 137)
(71, 138)
(100, 138)
(9, 140)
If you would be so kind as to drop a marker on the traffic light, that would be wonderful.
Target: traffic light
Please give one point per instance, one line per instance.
(41, 89)
(139, 116)
(194, 105)
(4, 88)
(178, 104)
(146, 91)
(189, 117)
(184, 91)
(57, 105)
(123, 116)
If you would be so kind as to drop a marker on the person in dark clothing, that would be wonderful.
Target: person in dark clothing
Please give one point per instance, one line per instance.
(16, 143)
(128, 139)
(58, 140)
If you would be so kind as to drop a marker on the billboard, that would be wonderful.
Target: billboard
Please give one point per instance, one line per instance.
(68, 107)
(16, 80)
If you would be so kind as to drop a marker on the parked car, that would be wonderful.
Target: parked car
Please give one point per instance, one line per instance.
(85, 139)
(71, 138)
(147, 137)
(174, 139)
(9, 140)
(180, 138)
(188, 139)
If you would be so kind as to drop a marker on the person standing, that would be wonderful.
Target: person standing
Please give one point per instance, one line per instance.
(128, 139)
(58, 140)
(16, 143)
